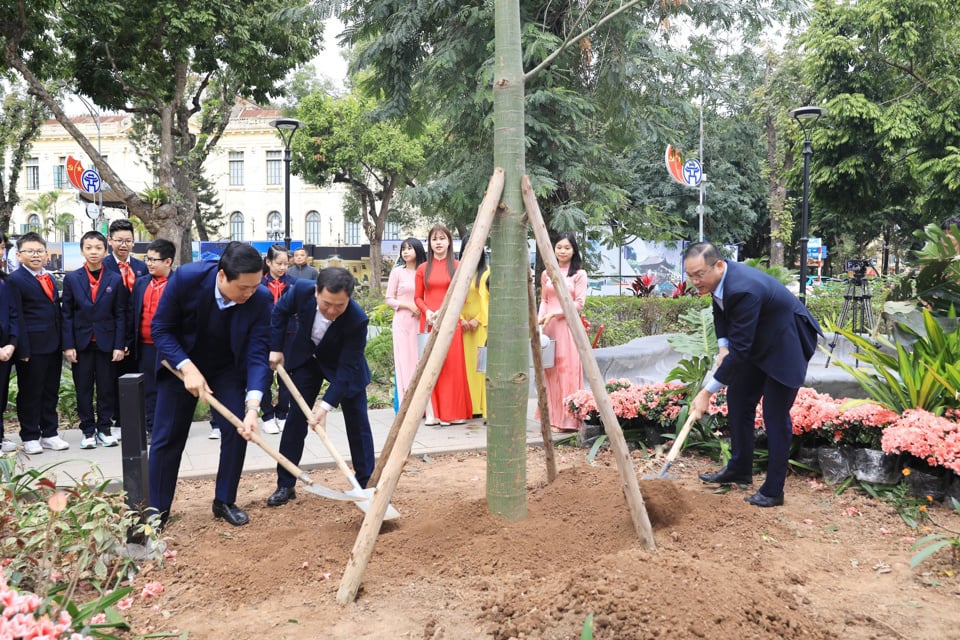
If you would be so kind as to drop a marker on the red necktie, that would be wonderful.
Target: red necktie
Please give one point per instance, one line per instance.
(126, 271)
(47, 283)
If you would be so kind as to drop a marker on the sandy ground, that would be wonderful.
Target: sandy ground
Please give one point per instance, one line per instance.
(823, 566)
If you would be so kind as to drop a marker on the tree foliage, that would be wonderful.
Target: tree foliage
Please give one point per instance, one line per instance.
(164, 61)
(20, 119)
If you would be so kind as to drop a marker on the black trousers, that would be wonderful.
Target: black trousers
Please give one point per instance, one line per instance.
(38, 390)
(95, 369)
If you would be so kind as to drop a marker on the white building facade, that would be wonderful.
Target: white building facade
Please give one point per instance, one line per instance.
(246, 169)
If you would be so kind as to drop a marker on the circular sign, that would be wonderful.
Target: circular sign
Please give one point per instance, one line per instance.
(692, 173)
(93, 211)
(90, 180)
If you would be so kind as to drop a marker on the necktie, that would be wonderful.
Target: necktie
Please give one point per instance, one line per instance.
(126, 272)
(47, 283)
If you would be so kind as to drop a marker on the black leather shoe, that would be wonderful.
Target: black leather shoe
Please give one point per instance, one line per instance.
(231, 513)
(282, 495)
(725, 476)
(760, 500)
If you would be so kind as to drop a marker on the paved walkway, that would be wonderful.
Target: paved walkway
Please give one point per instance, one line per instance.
(201, 455)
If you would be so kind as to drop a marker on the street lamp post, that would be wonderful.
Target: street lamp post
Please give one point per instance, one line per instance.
(287, 127)
(806, 117)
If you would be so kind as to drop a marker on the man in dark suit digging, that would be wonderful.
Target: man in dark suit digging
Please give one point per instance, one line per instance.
(766, 338)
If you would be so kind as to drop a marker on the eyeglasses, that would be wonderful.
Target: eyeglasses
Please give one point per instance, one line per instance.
(699, 275)
(123, 242)
(150, 260)
(33, 252)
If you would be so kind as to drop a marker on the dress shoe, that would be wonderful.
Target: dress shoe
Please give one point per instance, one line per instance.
(725, 476)
(231, 513)
(760, 500)
(282, 495)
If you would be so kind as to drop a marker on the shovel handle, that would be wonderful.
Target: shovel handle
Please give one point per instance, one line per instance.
(308, 414)
(231, 417)
(681, 438)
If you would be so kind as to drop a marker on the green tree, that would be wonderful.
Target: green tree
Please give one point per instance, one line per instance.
(163, 61)
(45, 206)
(20, 120)
(889, 154)
(375, 159)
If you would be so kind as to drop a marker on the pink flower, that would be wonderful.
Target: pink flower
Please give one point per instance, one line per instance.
(125, 603)
(151, 589)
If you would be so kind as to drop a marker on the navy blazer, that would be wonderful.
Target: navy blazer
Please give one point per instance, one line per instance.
(104, 318)
(340, 354)
(41, 319)
(766, 325)
(139, 266)
(9, 314)
(186, 303)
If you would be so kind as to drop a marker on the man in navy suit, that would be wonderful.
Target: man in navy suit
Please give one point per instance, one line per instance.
(39, 361)
(328, 345)
(120, 261)
(766, 338)
(213, 325)
(94, 337)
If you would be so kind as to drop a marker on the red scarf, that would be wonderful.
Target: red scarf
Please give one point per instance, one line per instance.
(126, 271)
(94, 282)
(276, 287)
(47, 283)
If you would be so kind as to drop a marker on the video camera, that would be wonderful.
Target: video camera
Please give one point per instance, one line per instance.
(857, 265)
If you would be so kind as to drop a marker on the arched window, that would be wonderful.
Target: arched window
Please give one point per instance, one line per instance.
(33, 223)
(69, 229)
(275, 228)
(236, 226)
(313, 228)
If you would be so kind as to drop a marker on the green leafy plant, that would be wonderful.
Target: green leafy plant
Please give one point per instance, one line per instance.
(930, 544)
(70, 543)
(699, 345)
(937, 283)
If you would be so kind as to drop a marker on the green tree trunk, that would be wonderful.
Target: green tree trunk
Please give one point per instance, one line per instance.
(507, 367)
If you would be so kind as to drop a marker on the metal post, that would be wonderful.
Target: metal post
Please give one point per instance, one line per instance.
(286, 197)
(133, 441)
(805, 217)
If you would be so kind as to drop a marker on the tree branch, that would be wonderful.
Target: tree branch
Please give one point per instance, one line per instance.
(583, 34)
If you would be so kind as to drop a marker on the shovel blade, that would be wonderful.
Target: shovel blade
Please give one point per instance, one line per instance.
(327, 492)
(363, 498)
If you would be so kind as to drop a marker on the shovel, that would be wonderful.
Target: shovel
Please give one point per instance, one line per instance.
(675, 449)
(311, 486)
(361, 496)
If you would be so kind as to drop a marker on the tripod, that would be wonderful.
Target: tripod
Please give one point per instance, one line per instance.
(856, 304)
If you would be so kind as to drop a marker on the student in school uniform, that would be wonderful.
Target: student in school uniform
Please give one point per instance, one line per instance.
(38, 357)
(120, 261)
(147, 291)
(94, 338)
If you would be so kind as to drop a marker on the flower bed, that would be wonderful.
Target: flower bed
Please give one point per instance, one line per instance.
(818, 420)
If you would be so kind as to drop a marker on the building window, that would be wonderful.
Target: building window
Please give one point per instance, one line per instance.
(236, 226)
(69, 229)
(60, 174)
(274, 167)
(33, 174)
(391, 231)
(33, 223)
(313, 228)
(275, 228)
(236, 169)
(352, 233)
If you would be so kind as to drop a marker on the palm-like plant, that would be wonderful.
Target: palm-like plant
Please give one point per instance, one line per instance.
(937, 284)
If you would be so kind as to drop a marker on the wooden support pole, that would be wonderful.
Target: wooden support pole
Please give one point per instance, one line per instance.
(449, 318)
(542, 403)
(628, 478)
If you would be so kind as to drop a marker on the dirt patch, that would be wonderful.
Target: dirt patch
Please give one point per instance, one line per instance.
(823, 566)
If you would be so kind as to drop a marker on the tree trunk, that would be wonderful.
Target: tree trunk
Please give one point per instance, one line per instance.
(507, 365)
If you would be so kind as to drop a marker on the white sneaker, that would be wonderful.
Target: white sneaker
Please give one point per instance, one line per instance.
(270, 426)
(89, 443)
(281, 422)
(32, 447)
(214, 433)
(9, 446)
(115, 432)
(55, 442)
(106, 440)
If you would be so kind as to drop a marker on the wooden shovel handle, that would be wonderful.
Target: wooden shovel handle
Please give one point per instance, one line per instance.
(681, 438)
(254, 436)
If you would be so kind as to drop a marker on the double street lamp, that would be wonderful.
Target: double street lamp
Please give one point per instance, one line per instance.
(287, 127)
(806, 117)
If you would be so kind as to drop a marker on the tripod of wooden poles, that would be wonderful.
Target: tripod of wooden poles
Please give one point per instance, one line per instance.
(399, 441)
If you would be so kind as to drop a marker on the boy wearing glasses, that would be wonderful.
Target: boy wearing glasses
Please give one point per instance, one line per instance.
(94, 337)
(39, 361)
(129, 268)
(143, 304)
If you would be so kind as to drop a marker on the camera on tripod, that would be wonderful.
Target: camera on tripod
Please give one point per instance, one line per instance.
(858, 265)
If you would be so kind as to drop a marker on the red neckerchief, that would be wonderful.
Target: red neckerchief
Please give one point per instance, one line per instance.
(128, 275)
(276, 287)
(47, 283)
(94, 282)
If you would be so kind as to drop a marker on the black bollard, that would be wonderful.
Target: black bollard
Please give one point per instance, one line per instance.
(133, 442)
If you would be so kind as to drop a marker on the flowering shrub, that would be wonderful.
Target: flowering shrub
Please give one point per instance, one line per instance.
(22, 617)
(933, 439)
(863, 424)
(633, 405)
